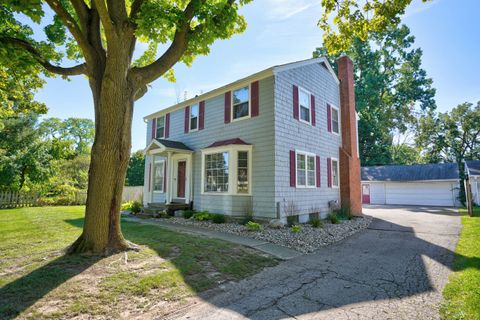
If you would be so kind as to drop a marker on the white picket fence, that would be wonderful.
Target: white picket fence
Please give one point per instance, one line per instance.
(134, 193)
(16, 199)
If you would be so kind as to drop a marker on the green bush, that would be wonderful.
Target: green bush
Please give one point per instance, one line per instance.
(345, 212)
(133, 206)
(218, 218)
(202, 216)
(296, 228)
(316, 223)
(253, 226)
(187, 214)
(332, 217)
(292, 220)
(55, 201)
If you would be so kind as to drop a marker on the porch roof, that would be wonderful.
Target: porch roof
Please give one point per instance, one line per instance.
(227, 142)
(163, 145)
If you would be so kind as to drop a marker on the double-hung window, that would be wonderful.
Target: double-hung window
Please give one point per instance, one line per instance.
(158, 174)
(160, 127)
(305, 170)
(194, 117)
(241, 103)
(242, 171)
(305, 106)
(216, 174)
(335, 173)
(335, 120)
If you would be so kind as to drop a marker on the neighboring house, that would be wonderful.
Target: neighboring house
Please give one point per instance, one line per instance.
(472, 168)
(420, 184)
(280, 142)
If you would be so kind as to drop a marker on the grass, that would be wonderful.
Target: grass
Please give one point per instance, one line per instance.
(38, 281)
(462, 293)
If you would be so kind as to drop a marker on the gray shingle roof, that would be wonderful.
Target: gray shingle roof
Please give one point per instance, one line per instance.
(473, 167)
(174, 144)
(417, 172)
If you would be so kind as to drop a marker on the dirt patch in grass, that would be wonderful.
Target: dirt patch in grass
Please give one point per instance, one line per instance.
(39, 281)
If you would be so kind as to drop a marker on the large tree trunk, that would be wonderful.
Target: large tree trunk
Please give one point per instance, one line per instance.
(113, 99)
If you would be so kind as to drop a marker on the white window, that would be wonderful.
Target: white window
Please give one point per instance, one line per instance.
(160, 127)
(216, 172)
(335, 173)
(335, 115)
(305, 170)
(194, 117)
(305, 107)
(158, 174)
(241, 103)
(242, 171)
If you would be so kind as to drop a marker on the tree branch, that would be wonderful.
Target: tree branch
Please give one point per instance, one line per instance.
(135, 9)
(104, 16)
(71, 71)
(118, 11)
(83, 13)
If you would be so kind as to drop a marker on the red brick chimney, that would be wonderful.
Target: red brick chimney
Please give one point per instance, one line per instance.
(350, 185)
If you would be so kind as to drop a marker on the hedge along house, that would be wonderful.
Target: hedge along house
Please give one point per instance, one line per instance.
(280, 142)
(472, 169)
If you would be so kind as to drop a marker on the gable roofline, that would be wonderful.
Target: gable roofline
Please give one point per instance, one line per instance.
(244, 81)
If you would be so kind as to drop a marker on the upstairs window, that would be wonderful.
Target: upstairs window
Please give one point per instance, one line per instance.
(241, 103)
(305, 108)
(335, 120)
(160, 127)
(194, 117)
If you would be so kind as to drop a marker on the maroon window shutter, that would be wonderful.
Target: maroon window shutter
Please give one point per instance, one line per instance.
(255, 99)
(329, 118)
(228, 102)
(201, 115)
(165, 176)
(154, 128)
(317, 158)
(167, 126)
(187, 118)
(293, 176)
(295, 102)
(312, 106)
(329, 172)
(149, 177)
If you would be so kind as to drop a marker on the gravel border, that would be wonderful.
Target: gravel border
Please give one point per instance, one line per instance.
(307, 240)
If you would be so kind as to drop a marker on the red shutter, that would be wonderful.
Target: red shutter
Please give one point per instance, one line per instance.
(228, 102)
(201, 115)
(329, 118)
(149, 177)
(165, 176)
(187, 119)
(295, 102)
(167, 126)
(312, 105)
(154, 128)
(329, 172)
(293, 169)
(317, 158)
(255, 99)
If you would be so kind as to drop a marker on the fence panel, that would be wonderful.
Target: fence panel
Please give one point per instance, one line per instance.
(17, 199)
(132, 193)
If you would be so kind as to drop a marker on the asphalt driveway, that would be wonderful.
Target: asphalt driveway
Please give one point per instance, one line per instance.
(396, 269)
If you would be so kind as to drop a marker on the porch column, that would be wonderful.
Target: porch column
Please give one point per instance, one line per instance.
(168, 191)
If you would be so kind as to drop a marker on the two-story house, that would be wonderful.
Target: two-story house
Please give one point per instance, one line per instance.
(279, 142)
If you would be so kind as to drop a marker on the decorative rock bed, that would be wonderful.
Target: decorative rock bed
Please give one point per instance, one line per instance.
(307, 240)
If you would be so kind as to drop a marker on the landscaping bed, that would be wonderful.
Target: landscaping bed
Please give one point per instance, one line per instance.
(306, 239)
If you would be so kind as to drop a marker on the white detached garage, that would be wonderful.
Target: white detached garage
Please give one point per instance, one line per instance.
(421, 184)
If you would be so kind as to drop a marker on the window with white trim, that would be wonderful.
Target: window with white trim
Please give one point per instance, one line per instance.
(216, 173)
(305, 170)
(160, 127)
(194, 117)
(335, 115)
(158, 174)
(305, 107)
(242, 171)
(335, 174)
(241, 103)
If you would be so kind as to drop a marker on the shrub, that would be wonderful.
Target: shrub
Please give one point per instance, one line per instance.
(345, 212)
(218, 218)
(187, 214)
(201, 216)
(292, 220)
(296, 228)
(316, 223)
(133, 206)
(253, 226)
(332, 217)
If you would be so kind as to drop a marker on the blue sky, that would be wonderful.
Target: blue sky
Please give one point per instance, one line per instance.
(281, 31)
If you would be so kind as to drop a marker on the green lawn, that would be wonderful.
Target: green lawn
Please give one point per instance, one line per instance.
(38, 281)
(462, 293)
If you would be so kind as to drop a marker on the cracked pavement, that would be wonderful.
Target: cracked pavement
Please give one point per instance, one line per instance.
(395, 269)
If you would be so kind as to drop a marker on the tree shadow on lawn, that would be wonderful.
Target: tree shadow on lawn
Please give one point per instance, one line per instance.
(191, 256)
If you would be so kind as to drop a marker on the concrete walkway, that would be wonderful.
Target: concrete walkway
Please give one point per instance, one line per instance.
(277, 251)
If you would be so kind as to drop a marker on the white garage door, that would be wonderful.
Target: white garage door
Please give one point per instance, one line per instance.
(420, 193)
